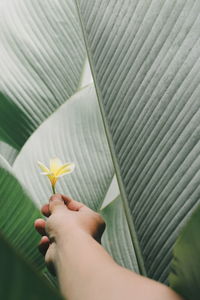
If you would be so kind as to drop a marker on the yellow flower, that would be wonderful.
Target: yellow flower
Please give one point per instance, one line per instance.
(56, 170)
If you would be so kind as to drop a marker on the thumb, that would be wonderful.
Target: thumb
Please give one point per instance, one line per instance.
(56, 202)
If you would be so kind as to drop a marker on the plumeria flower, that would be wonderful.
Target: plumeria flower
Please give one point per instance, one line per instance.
(56, 170)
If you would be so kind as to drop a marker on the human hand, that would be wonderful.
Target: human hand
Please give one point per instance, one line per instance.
(66, 217)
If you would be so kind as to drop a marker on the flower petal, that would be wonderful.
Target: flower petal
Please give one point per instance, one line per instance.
(65, 169)
(43, 167)
(46, 173)
(55, 164)
(53, 179)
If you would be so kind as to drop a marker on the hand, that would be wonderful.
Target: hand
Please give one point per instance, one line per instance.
(65, 218)
(84, 269)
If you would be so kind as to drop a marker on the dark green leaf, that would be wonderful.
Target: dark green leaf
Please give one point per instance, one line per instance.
(185, 274)
(17, 216)
(18, 280)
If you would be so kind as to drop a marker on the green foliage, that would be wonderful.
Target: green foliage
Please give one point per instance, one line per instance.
(184, 277)
(144, 57)
(20, 260)
(42, 57)
(8, 152)
(117, 230)
(17, 216)
(12, 117)
(73, 133)
(19, 280)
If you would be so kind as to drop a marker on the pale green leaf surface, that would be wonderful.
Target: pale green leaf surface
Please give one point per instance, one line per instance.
(112, 193)
(74, 133)
(185, 273)
(116, 238)
(17, 216)
(18, 280)
(42, 55)
(145, 61)
(8, 152)
(86, 78)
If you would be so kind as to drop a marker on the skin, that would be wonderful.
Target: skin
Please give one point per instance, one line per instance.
(71, 246)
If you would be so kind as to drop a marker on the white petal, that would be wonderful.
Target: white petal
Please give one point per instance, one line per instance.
(55, 164)
(43, 167)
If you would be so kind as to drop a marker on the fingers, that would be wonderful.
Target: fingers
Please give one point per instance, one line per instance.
(44, 245)
(45, 210)
(40, 226)
(72, 204)
(58, 200)
(45, 248)
(44, 242)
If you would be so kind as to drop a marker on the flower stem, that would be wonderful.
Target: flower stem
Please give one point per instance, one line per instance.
(53, 189)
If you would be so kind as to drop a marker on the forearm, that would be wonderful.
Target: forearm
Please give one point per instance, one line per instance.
(82, 267)
(87, 272)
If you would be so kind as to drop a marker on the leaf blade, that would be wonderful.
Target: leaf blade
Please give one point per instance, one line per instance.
(8, 152)
(41, 66)
(18, 279)
(116, 238)
(144, 56)
(73, 133)
(17, 216)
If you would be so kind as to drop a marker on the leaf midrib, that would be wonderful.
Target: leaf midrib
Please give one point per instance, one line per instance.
(129, 218)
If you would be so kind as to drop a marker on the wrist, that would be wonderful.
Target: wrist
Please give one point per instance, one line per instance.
(67, 244)
(65, 237)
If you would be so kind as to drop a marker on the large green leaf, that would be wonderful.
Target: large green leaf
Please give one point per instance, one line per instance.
(42, 56)
(117, 230)
(18, 280)
(17, 216)
(145, 61)
(185, 274)
(73, 133)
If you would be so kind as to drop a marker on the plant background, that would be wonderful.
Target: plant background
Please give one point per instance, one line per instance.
(144, 57)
